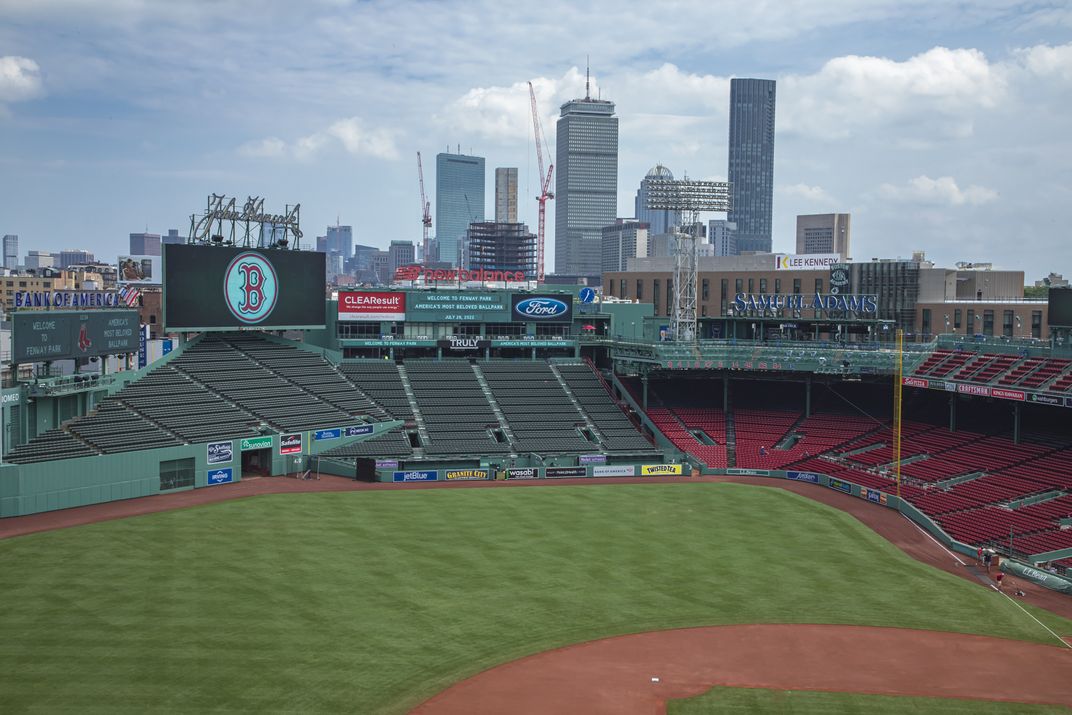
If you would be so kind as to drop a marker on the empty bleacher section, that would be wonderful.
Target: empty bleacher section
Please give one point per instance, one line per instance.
(539, 412)
(381, 381)
(53, 444)
(310, 372)
(457, 415)
(393, 444)
(187, 408)
(616, 432)
(227, 371)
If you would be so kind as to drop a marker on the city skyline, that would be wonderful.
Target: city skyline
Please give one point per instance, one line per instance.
(888, 111)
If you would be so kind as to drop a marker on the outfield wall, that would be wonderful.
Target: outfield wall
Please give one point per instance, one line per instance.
(63, 484)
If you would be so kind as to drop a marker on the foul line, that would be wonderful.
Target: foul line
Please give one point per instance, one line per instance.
(940, 545)
(1059, 638)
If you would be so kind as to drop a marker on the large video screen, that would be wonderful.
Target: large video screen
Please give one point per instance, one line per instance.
(224, 288)
(43, 335)
(1060, 314)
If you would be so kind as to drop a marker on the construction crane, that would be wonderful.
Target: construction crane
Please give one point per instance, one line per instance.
(426, 211)
(545, 186)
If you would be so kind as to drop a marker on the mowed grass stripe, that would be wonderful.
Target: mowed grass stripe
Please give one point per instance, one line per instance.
(805, 702)
(373, 601)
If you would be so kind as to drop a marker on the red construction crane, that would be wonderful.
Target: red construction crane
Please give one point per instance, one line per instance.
(545, 186)
(426, 211)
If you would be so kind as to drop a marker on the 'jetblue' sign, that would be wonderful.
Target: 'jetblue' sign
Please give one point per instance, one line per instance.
(747, 302)
(541, 308)
(427, 475)
(220, 476)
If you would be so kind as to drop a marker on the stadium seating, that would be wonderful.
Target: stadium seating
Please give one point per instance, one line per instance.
(455, 412)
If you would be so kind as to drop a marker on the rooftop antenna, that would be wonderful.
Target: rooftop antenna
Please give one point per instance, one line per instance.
(587, 72)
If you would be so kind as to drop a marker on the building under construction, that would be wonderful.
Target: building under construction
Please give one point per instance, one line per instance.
(500, 247)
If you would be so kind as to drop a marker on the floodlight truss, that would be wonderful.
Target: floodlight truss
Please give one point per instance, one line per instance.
(690, 198)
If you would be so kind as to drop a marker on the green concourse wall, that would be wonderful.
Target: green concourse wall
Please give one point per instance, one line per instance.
(1048, 580)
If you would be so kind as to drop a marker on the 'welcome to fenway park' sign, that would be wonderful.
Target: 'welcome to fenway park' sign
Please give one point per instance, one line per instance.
(1001, 393)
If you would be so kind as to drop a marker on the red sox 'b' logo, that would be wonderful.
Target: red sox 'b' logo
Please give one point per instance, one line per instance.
(250, 287)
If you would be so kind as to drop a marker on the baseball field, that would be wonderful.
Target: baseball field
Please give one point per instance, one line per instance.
(375, 601)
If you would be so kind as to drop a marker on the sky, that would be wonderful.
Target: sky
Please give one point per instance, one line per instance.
(940, 126)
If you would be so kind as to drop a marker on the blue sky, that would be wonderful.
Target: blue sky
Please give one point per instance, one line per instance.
(941, 126)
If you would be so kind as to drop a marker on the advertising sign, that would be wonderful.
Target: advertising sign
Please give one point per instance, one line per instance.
(592, 459)
(324, 434)
(588, 295)
(840, 486)
(872, 495)
(386, 464)
(458, 307)
(255, 443)
(750, 472)
(840, 279)
(220, 452)
(142, 270)
(1004, 394)
(822, 302)
(143, 346)
(427, 475)
(68, 299)
(463, 343)
(541, 308)
(359, 430)
(219, 476)
(980, 390)
(806, 261)
(616, 470)
(947, 386)
(58, 335)
(372, 306)
(523, 473)
(915, 382)
(809, 477)
(660, 470)
(290, 443)
(466, 474)
(223, 288)
(565, 472)
(1046, 399)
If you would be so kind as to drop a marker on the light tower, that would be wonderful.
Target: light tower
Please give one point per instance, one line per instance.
(690, 198)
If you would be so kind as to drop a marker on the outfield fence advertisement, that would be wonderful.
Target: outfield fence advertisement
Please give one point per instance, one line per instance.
(810, 477)
(661, 470)
(58, 335)
(615, 470)
(466, 474)
(565, 472)
(523, 473)
(290, 443)
(219, 476)
(840, 485)
(422, 475)
(224, 288)
(220, 452)
(251, 443)
(372, 306)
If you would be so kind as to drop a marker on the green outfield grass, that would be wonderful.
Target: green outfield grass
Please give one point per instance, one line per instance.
(804, 702)
(373, 601)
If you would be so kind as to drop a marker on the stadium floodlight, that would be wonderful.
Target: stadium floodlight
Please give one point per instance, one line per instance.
(690, 198)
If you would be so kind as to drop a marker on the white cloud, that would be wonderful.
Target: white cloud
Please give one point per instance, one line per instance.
(1047, 62)
(20, 79)
(815, 194)
(270, 147)
(350, 134)
(941, 88)
(943, 190)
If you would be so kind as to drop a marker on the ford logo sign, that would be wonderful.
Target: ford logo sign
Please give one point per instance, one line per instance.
(541, 308)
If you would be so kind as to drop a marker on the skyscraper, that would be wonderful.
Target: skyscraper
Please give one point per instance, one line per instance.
(506, 195)
(824, 233)
(586, 188)
(660, 221)
(751, 169)
(144, 244)
(722, 236)
(500, 247)
(626, 238)
(400, 253)
(11, 251)
(340, 239)
(459, 201)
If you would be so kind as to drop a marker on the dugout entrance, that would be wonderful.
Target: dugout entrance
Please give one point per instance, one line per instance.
(257, 463)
